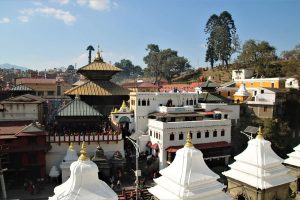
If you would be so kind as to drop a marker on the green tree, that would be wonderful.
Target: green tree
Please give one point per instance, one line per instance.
(129, 70)
(164, 63)
(259, 55)
(292, 54)
(222, 41)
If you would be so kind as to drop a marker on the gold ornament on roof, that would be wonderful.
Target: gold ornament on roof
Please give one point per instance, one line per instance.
(71, 147)
(124, 104)
(188, 143)
(83, 151)
(260, 134)
(98, 57)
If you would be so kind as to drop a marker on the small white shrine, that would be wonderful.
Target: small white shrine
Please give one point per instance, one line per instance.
(258, 173)
(293, 164)
(242, 94)
(123, 117)
(188, 178)
(83, 183)
(70, 157)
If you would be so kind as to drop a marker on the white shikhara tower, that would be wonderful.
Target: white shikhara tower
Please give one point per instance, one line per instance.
(188, 178)
(69, 158)
(258, 173)
(293, 164)
(83, 183)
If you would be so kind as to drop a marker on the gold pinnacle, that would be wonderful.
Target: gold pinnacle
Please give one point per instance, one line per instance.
(260, 134)
(71, 147)
(83, 151)
(188, 143)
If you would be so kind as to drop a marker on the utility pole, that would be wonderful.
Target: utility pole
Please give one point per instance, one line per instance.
(1, 174)
(137, 171)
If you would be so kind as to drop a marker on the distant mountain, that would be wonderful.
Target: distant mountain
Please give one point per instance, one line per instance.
(9, 66)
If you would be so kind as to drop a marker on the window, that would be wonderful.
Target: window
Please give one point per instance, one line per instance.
(58, 90)
(171, 137)
(181, 136)
(198, 134)
(291, 83)
(225, 116)
(262, 91)
(172, 119)
(265, 108)
(139, 102)
(150, 133)
(206, 134)
(228, 93)
(215, 133)
(143, 102)
(195, 101)
(222, 132)
(50, 93)
(255, 93)
(132, 102)
(159, 136)
(187, 102)
(191, 134)
(272, 85)
(148, 102)
(41, 93)
(191, 102)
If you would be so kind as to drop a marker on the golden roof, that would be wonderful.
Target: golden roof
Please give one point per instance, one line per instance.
(98, 88)
(99, 65)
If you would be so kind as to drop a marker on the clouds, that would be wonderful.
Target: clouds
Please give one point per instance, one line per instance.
(99, 5)
(23, 18)
(4, 20)
(58, 14)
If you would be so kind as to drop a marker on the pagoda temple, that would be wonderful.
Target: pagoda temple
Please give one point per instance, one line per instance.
(83, 183)
(98, 91)
(188, 178)
(258, 173)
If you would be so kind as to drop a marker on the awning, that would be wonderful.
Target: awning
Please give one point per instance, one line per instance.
(152, 146)
(212, 145)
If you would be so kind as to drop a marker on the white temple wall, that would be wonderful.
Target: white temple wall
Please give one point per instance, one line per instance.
(57, 152)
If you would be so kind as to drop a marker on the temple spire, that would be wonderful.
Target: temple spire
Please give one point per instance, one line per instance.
(83, 151)
(71, 147)
(260, 134)
(188, 143)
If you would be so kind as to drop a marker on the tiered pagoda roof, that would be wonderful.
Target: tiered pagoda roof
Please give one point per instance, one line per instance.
(98, 73)
(294, 157)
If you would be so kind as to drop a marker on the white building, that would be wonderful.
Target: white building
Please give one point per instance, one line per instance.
(144, 103)
(83, 183)
(188, 178)
(292, 83)
(242, 74)
(23, 108)
(69, 158)
(258, 173)
(123, 117)
(209, 130)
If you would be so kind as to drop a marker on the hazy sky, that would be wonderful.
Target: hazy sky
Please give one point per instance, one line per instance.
(54, 33)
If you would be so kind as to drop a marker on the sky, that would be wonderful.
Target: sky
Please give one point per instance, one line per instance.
(43, 34)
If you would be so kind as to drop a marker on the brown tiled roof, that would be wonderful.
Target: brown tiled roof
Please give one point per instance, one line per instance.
(26, 98)
(99, 66)
(35, 80)
(98, 88)
(11, 128)
(139, 85)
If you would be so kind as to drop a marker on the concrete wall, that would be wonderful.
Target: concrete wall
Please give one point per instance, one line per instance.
(57, 152)
(236, 188)
(20, 111)
(262, 111)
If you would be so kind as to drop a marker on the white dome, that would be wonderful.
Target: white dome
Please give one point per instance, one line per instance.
(242, 91)
(83, 183)
(294, 157)
(259, 166)
(188, 178)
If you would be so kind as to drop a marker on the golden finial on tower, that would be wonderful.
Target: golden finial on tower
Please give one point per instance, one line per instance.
(260, 134)
(71, 147)
(98, 56)
(123, 105)
(188, 143)
(83, 151)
